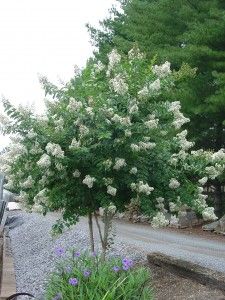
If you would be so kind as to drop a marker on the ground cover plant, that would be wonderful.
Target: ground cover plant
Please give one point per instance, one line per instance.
(85, 276)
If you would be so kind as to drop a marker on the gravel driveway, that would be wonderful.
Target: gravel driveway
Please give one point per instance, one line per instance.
(34, 248)
(206, 252)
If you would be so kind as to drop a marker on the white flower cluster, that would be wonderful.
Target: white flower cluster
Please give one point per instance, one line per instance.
(160, 204)
(103, 211)
(150, 89)
(36, 149)
(174, 184)
(121, 120)
(37, 208)
(89, 111)
(133, 170)
(9, 185)
(208, 214)
(111, 190)
(43, 181)
(44, 161)
(135, 53)
(179, 118)
(119, 85)
(197, 153)
(143, 93)
(107, 180)
(59, 166)
(114, 58)
(74, 105)
(152, 122)
(159, 220)
(119, 163)
(155, 86)
(173, 160)
(98, 67)
(89, 181)
(128, 133)
(84, 130)
(22, 197)
(200, 202)
(75, 144)
(203, 180)
(41, 197)
(142, 187)
(28, 183)
(107, 163)
(219, 155)
(54, 150)
(146, 145)
(142, 146)
(4, 120)
(112, 208)
(59, 124)
(76, 173)
(183, 143)
(31, 134)
(162, 70)
(16, 150)
(133, 109)
(214, 171)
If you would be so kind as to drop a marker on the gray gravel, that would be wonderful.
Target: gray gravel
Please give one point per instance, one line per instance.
(203, 251)
(34, 248)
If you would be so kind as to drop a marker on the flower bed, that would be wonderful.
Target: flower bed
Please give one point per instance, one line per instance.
(86, 276)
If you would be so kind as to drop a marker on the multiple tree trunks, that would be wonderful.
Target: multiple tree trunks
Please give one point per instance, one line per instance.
(189, 270)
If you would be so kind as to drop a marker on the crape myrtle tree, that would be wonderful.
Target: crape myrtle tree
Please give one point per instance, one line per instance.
(108, 139)
(182, 31)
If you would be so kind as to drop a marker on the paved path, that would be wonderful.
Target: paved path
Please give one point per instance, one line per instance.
(206, 252)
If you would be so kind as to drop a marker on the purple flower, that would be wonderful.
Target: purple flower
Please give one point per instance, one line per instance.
(116, 269)
(59, 251)
(87, 273)
(126, 267)
(76, 254)
(127, 262)
(58, 296)
(73, 281)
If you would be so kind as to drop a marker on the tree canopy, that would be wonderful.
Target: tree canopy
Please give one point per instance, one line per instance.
(181, 31)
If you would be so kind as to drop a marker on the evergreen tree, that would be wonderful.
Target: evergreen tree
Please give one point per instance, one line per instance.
(178, 31)
(181, 31)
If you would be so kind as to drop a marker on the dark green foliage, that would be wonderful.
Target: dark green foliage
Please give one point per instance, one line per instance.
(179, 31)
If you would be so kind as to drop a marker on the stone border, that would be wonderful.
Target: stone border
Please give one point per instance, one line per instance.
(8, 280)
(189, 270)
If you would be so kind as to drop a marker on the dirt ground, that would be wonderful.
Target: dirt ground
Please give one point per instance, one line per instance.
(168, 286)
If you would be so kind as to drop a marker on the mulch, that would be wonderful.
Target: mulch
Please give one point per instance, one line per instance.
(168, 286)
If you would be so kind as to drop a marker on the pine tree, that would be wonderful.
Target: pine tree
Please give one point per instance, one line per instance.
(178, 31)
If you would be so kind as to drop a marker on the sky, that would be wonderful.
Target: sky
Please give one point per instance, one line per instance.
(46, 37)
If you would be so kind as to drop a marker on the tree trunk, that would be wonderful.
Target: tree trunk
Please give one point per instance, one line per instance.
(106, 235)
(90, 223)
(219, 201)
(219, 209)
